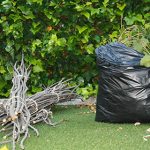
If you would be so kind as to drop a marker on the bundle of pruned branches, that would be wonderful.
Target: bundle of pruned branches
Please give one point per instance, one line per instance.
(20, 112)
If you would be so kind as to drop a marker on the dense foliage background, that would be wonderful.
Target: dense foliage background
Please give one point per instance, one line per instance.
(58, 37)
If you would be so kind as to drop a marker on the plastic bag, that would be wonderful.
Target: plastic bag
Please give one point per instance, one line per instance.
(117, 54)
(124, 86)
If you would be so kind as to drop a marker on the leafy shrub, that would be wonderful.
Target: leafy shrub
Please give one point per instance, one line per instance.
(136, 37)
(58, 37)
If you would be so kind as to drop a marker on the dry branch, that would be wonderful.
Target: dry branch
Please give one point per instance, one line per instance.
(19, 112)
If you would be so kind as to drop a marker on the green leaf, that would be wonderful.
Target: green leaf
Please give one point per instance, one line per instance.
(81, 29)
(35, 1)
(52, 3)
(97, 38)
(48, 14)
(137, 46)
(79, 7)
(94, 11)
(144, 41)
(90, 49)
(2, 70)
(9, 47)
(139, 18)
(145, 61)
(7, 4)
(34, 61)
(35, 27)
(2, 83)
(27, 12)
(8, 77)
(130, 20)
(113, 35)
(86, 14)
(83, 91)
(88, 3)
(61, 42)
(15, 17)
(54, 37)
(17, 30)
(85, 38)
(37, 69)
(38, 66)
(140, 44)
(36, 89)
(121, 7)
(35, 44)
(3, 19)
(112, 19)
(35, 24)
(105, 3)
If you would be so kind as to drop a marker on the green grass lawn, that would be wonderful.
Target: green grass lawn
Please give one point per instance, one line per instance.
(81, 132)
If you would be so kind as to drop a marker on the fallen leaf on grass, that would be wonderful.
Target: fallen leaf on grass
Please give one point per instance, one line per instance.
(120, 128)
(92, 108)
(148, 130)
(83, 113)
(137, 124)
(146, 137)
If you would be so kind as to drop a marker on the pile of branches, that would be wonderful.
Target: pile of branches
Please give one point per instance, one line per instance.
(20, 112)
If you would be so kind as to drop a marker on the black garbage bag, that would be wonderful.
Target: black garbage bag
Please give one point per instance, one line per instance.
(124, 86)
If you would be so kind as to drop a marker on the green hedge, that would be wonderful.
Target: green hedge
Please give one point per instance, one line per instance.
(58, 37)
